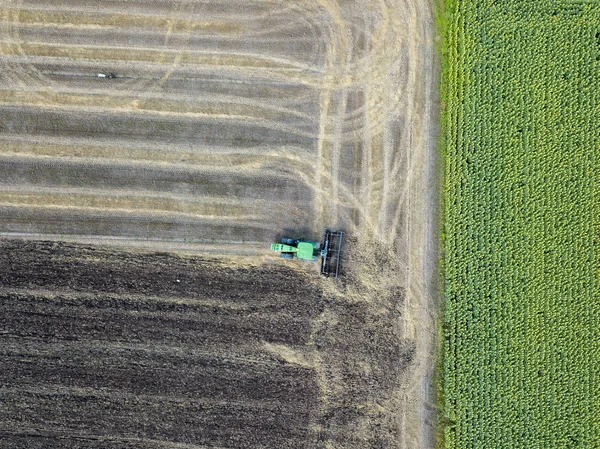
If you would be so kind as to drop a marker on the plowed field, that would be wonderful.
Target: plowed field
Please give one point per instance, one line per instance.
(229, 124)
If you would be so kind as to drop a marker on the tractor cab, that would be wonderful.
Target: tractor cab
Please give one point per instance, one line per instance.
(288, 248)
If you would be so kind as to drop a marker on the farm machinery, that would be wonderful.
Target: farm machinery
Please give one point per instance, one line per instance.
(329, 250)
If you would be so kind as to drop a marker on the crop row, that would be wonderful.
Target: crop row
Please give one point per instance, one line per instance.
(522, 216)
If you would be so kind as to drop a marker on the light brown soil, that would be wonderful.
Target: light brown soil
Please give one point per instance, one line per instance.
(230, 124)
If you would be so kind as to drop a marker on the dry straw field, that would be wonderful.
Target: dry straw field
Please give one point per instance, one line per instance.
(227, 124)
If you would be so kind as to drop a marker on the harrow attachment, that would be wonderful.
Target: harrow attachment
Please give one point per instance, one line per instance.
(331, 250)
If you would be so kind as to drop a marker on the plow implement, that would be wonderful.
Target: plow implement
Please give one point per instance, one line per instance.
(331, 250)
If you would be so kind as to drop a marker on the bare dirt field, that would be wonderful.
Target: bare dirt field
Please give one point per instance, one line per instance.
(229, 124)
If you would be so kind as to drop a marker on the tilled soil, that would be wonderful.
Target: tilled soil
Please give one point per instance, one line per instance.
(101, 348)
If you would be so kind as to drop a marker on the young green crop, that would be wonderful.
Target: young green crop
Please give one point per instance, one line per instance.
(522, 224)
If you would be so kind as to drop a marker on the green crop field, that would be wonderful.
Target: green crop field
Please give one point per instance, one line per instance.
(522, 213)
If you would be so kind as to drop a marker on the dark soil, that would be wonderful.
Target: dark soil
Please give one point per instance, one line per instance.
(108, 349)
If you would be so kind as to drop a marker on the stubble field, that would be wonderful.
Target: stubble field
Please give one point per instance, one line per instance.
(229, 124)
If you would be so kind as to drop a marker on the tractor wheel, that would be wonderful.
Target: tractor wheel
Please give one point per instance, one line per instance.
(287, 241)
(286, 255)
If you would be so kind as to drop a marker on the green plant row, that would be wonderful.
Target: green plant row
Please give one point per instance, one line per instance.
(522, 219)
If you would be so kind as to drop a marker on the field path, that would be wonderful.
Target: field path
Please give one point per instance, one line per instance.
(378, 179)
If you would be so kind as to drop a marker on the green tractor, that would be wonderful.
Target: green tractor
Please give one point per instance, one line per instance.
(329, 250)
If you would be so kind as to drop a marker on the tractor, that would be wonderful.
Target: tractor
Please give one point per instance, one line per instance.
(329, 250)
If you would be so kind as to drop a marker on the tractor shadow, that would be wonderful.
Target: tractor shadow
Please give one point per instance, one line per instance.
(303, 233)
